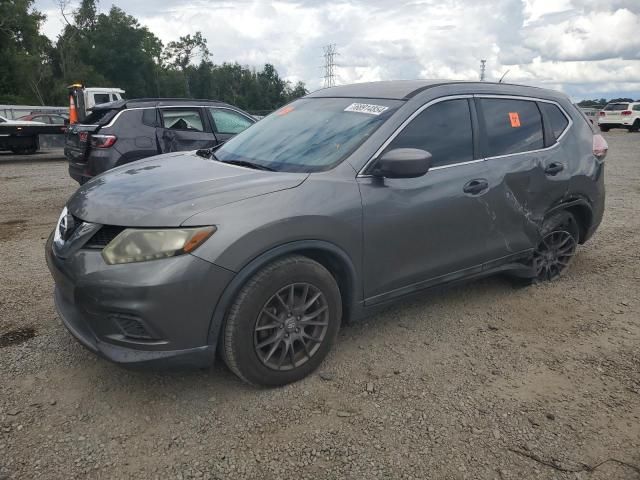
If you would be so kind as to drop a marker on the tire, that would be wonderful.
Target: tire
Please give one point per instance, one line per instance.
(604, 129)
(265, 339)
(559, 235)
(635, 127)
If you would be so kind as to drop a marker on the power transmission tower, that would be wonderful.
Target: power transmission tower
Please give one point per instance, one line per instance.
(329, 65)
(482, 67)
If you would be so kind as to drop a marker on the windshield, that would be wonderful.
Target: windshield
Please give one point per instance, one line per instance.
(309, 135)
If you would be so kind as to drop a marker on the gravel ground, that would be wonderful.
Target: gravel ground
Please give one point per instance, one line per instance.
(481, 381)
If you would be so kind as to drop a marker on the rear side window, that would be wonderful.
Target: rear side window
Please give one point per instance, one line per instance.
(183, 119)
(556, 118)
(149, 117)
(513, 126)
(636, 108)
(443, 129)
(616, 107)
(228, 121)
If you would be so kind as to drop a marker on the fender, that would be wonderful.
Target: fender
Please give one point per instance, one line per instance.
(564, 204)
(260, 261)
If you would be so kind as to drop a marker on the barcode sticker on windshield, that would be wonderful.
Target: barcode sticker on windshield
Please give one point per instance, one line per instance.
(366, 108)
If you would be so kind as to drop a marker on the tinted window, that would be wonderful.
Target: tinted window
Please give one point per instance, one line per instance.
(101, 98)
(228, 121)
(513, 126)
(636, 108)
(41, 118)
(555, 117)
(616, 107)
(57, 120)
(113, 97)
(443, 129)
(100, 116)
(182, 119)
(149, 117)
(310, 134)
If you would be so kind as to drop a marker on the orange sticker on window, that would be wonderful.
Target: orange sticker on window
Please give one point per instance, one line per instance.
(515, 119)
(285, 110)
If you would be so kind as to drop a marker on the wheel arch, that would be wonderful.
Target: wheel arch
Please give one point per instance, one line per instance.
(582, 212)
(329, 255)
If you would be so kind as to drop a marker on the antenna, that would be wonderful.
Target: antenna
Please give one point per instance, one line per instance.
(504, 75)
(329, 65)
(482, 68)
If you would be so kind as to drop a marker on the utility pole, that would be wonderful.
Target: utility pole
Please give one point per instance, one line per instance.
(482, 67)
(329, 65)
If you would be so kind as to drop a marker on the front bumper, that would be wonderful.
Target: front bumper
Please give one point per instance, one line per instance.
(171, 301)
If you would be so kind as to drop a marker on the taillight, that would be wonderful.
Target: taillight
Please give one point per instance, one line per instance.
(600, 147)
(603, 114)
(103, 141)
(83, 136)
(626, 112)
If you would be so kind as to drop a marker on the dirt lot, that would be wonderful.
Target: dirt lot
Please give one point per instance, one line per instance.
(482, 381)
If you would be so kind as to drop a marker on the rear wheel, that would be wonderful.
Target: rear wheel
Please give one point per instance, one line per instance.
(559, 241)
(603, 128)
(635, 127)
(283, 322)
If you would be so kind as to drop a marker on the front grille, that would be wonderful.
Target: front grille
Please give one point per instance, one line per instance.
(131, 327)
(103, 236)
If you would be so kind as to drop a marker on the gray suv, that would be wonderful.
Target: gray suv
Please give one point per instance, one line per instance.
(327, 209)
(124, 131)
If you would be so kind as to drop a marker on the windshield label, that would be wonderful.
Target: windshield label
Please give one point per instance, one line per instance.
(366, 108)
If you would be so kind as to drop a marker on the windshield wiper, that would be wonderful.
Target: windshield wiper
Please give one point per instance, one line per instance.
(244, 163)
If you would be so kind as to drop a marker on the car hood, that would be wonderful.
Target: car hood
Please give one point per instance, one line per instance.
(166, 190)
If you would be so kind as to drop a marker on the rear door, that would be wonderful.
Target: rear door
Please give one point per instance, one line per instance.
(227, 122)
(521, 171)
(184, 128)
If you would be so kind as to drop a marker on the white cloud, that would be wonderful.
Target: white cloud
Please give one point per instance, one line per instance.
(580, 46)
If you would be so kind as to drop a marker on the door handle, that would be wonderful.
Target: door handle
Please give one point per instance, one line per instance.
(553, 168)
(476, 186)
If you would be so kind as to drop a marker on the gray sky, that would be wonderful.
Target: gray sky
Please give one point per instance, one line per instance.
(587, 48)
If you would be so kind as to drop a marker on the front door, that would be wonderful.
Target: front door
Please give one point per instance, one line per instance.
(420, 231)
(182, 129)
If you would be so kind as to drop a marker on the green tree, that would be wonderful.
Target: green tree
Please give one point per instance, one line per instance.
(182, 52)
(24, 53)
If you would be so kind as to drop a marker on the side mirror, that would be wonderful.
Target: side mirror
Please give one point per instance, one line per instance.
(403, 163)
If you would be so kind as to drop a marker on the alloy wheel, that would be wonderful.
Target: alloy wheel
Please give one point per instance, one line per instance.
(553, 254)
(291, 326)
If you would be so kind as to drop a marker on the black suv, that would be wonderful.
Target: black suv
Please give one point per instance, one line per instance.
(127, 130)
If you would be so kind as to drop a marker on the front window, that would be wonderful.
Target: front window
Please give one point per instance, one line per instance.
(310, 134)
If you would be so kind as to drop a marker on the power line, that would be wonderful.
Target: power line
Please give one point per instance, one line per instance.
(482, 68)
(329, 65)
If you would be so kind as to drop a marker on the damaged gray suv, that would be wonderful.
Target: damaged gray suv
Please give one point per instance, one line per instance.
(334, 205)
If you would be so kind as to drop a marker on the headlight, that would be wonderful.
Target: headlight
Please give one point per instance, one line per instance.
(140, 245)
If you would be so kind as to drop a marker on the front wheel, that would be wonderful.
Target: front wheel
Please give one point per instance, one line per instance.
(604, 129)
(635, 127)
(283, 322)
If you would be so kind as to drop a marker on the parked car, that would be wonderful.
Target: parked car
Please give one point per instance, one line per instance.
(329, 208)
(620, 115)
(48, 118)
(7, 121)
(121, 132)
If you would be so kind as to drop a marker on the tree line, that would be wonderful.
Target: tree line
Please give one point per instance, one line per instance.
(114, 50)
(601, 102)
